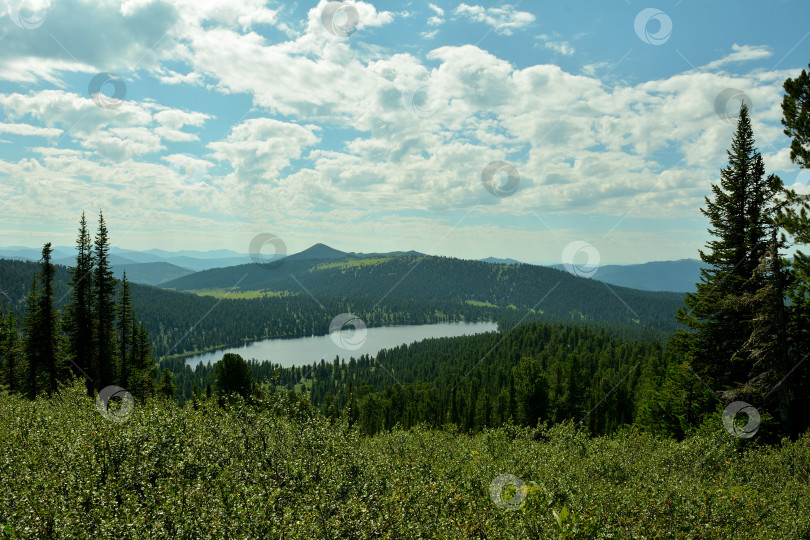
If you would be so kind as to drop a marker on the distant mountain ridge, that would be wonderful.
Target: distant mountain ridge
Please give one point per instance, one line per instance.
(150, 273)
(673, 276)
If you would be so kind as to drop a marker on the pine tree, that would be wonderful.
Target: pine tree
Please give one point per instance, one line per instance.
(42, 340)
(104, 306)
(232, 375)
(166, 388)
(794, 386)
(531, 391)
(796, 118)
(9, 352)
(31, 347)
(79, 322)
(126, 317)
(48, 319)
(142, 381)
(740, 215)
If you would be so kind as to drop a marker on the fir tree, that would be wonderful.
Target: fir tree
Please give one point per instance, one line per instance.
(740, 215)
(794, 386)
(126, 317)
(142, 380)
(32, 367)
(796, 118)
(42, 340)
(9, 352)
(104, 306)
(79, 321)
(166, 388)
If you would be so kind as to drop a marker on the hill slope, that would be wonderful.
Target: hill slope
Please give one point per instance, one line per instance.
(385, 291)
(674, 276)
(552, 292)
(150, 273)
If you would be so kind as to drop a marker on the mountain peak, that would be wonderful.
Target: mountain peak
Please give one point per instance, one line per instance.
(318, 251)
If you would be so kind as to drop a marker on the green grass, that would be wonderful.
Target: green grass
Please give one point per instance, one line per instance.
(352, 263)
(275, 469)
(481, 304)
(239, 294)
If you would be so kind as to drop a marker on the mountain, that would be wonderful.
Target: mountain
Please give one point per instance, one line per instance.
(151, 273)
(674, 276)
(189, 259)
(323, 252)
(197, 264)
(520, 287)
(317, 252)
(210, 254)
(495, 260)
(302, 297)
(21, 253)
(114, 260)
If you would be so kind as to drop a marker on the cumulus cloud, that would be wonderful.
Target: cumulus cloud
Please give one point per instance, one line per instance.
(342, 131)
(742, 53)
(132, 129)
(261, 147)
(29, 130)
(88, 36)
(504, 20)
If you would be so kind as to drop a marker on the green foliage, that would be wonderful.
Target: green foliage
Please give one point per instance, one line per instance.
(165, 387)
(796, 118)
(232, 376)
(276, 469)
(103, 341)
(104, 347)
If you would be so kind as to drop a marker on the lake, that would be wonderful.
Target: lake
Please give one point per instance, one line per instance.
(304, 351)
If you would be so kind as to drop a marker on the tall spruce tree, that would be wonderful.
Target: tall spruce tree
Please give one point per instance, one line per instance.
(104, 307)
(740, 216)
(795, 384)
(126, 317)
(79, 327)
(31, 355)
(42, 339)
(141, 383)
(796, 118)
(9, 352)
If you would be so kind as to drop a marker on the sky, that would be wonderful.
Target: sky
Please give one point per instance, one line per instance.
(540, 131)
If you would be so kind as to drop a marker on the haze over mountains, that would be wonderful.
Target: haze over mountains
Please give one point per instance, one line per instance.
(158, 267)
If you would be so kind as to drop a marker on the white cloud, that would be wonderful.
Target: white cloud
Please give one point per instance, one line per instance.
(167, 76)
(345, 114)
(29, 130)
(439, 11)
(742, 53)
(503, 19)
(261, 147)
(561, 47)
(132, 129)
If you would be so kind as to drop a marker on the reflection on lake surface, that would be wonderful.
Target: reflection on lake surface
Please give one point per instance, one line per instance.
(304, 351)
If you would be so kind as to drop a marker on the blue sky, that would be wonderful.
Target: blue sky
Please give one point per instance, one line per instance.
(368, 125)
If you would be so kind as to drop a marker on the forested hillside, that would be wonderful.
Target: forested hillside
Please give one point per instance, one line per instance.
(532, 373)
(556, 293)
(181, 323)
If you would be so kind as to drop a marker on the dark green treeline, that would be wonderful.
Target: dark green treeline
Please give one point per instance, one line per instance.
(95, 336)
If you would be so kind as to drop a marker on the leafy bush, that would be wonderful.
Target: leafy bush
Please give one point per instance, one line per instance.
(275, 468)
